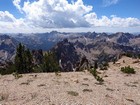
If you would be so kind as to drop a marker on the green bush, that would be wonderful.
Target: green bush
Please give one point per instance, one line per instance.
(50, 63)
(17, 75)
(128, 70)
(98, 78)
(94, 73)
(9, 69)
(38, 68)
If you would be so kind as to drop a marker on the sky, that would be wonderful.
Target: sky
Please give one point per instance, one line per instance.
(31, 16)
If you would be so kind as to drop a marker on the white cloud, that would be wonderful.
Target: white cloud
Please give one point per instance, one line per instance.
(109, 2)
(125, 22)
(113, 21)
(8, 23)
(45, 15)
(17, 4)
(6, 17)
(55, 13)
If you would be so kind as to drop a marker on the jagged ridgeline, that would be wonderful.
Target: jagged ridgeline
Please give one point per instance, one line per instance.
(55, 51)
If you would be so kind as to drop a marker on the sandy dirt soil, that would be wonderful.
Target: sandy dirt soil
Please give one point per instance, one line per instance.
(74, 88)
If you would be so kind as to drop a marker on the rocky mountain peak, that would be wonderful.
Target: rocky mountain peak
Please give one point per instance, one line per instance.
(7, 48)
(66, 54)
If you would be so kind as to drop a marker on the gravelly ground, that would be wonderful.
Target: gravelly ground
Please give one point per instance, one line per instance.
(74, 88)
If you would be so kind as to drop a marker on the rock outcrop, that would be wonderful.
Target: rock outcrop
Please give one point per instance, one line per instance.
(66, 55)
(7, 48)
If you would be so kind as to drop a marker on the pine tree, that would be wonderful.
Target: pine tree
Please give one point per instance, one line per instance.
(23, 60)
(50, 63)
(19, 58)
(29, 59)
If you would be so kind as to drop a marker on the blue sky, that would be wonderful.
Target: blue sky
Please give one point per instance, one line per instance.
(124, 8)
(72, 15)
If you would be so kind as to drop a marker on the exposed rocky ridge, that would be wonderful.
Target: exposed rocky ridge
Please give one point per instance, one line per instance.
(66, 55)
(102, 47)
(7, 48)
(93, 46)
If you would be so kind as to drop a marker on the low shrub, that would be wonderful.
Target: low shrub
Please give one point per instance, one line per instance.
(94, 73)
(9, 69)
(87, 90)
(57, 73)
(73, 93)
(98, 78)
(128, 70)
(17, 75)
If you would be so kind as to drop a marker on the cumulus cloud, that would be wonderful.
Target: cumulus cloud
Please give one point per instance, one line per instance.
(109, 2)
(8, 23)
(55, 13)
(59, 14)
(6, 17)
(113, 21)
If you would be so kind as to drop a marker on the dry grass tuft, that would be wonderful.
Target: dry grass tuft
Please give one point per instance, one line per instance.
(73, 93)
(87, 90)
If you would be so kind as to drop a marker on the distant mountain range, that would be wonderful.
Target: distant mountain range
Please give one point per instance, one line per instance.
(98, 47)
(44, 41)
(93, 46)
